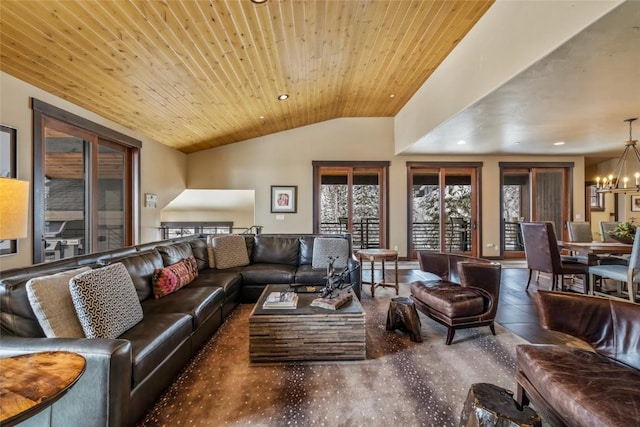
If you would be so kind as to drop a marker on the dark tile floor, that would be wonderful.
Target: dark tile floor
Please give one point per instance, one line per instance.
(516, 309)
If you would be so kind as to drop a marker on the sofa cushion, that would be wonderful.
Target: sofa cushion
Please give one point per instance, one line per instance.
(276, 250)
(306, 249)
(51, 301)
(199, 249)
(199, 303)
(324, 247)
(586, 388)
(268, 274)
(153, 340)
(450, 299)
(141, 267)
(308, 275)
(229, 279)
(173, 277)
(172, 254)
(106, 301)
(230, 251)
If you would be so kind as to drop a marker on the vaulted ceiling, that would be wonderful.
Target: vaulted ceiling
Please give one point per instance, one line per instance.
(199, 74)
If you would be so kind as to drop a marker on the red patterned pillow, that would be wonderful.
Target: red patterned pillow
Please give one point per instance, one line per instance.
(173, 277)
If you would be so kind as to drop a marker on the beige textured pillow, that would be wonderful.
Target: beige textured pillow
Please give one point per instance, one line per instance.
(230, 251)
(212, 259)
(51, 302)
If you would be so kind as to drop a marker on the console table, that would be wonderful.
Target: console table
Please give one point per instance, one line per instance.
(30, 383)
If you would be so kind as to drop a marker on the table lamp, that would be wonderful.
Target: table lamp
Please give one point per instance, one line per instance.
(14, 206)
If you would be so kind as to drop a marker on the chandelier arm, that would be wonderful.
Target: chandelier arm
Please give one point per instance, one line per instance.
(618, 168)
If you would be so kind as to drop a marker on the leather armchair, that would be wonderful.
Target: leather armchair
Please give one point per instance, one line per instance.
(464, 291)
(580, 387)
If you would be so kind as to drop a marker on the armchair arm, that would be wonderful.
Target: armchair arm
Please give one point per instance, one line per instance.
(101, 395)
(483, 276)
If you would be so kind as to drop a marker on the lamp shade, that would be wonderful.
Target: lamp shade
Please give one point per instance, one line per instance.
(14, 206)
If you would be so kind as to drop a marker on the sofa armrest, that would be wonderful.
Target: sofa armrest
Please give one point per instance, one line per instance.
(354, 276)
(486, 277)
(101, 395)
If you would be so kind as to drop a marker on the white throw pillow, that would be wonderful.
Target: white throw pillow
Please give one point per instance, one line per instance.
(230, 251)
(51, 302)
(106, 301)
(324, 247)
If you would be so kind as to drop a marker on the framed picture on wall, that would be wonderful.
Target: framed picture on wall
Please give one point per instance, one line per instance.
(8, 138)
(635, 203)
(284, 198)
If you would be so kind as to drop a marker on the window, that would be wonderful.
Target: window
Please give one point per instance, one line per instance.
(85, 185)
(171, 230)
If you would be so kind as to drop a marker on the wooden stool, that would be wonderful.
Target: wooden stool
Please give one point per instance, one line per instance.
(373, 255)
(402, 315)
(490, 405)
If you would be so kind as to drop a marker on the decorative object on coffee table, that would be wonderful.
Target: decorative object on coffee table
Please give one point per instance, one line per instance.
(334, 302)
(335, 282)
(490, 405)
(402, 315)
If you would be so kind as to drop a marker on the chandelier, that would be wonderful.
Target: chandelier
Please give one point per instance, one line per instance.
(617, 181)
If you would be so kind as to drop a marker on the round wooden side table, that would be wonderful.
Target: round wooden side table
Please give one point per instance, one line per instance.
(30, 383)
(382, 255)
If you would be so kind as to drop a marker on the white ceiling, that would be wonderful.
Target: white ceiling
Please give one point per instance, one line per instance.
(579, 94)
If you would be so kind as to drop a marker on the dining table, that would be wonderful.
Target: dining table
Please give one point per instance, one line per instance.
(593, 249)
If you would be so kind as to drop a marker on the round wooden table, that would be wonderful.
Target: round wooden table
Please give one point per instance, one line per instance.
(30, 383)
(382, 255)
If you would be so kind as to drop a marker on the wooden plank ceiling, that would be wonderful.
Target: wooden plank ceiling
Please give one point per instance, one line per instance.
(200, 74)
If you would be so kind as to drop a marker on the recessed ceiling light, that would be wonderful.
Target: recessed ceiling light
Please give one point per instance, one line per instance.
(283, 97)
(461, 142)
(261, 117)
(393, 95)
(258, 1)
(559, 143)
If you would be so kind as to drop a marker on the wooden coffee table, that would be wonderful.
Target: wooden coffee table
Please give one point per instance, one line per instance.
(306, 333)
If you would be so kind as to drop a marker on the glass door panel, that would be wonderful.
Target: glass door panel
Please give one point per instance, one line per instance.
(366, 209)
(111, 198)
(515, 208)
(457, 211)
(425, 226)
(65, 201)
(334, 202)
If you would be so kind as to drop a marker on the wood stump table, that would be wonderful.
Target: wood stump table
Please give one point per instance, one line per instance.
(402, 315)
(490, 405)
(382, 255)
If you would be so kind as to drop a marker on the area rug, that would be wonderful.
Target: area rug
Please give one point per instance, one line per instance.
(400, 383)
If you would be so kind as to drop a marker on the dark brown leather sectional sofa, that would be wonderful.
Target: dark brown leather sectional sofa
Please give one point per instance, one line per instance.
(124, 376)
(577, 387)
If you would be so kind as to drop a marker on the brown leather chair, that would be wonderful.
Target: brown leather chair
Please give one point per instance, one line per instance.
(462, 293)
(543, 254)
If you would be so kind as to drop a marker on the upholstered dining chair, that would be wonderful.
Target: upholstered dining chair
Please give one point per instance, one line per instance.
(605, 228)
(542, 253)
(629, 274)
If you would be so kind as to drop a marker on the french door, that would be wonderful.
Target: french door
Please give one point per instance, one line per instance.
(443, 207)
(83, 191)
(533, 192)
(351, 197)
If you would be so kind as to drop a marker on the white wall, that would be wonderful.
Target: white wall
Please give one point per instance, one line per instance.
(241, 218)
(286, 158)
(162, 169)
